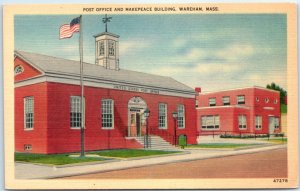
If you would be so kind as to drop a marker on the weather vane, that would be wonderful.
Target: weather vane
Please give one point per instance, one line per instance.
(106, 20)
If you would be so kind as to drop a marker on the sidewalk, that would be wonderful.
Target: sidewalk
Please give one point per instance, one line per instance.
(32, 171)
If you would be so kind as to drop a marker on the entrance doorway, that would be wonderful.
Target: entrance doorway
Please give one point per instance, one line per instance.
(136, 119)
(271, 124)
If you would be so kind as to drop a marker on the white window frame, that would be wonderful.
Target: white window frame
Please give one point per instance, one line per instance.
(212, 102)
(267, 100)
(180, 116)
(111, 48)
(162, 116)
(101, 48)
(28, 109)
(107, 108)
(226, 100)
(275, 101)
(241, 99)
(215, 122)
(258, 122)
(18, 69)
(75, 107)
(242, 122)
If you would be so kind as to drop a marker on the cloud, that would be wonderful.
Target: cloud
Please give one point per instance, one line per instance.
(126, 47)
(235, 52)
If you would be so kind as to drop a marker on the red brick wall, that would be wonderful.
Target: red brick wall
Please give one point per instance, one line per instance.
(61, 138)
(38, 136)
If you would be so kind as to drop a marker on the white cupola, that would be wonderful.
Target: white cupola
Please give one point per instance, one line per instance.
(107, 48)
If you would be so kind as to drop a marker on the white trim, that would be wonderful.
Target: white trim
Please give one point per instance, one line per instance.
(224, 106)
(25, 108)
(242, 88)
(100, 83)
(113, 115)
(183, 117)
(165, 114)
(268, 108)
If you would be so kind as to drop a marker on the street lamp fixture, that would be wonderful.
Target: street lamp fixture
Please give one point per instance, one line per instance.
(175, 116)
(146, 114)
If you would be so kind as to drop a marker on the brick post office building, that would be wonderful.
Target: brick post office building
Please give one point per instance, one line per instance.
(253, 110)
(48, 112)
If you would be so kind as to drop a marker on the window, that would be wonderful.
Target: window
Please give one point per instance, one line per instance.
(241, 99)
(242, 122)
(276, 123)
(111, 48)
(18, 69)
(210, 122)
(275, 101)
(197, 103)
(28, 112)
(226, 100)
(27, 147)
(75, 114)
(267, 100)
(257, 99)
(181, 116)
(212, 101)
(162, 116)
(107, 106)
(101, 48)
(258, 122)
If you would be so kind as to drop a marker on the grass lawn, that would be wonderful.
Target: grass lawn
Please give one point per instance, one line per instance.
(61, 159)
(220, 145)
(278, 140)
(55, 159)
(128, 153)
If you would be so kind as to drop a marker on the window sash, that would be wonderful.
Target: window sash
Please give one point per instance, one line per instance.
(107, 113)
(75, 111)
(226, 100)
(111, 48)
(162, 116)
(101, 48)
(28, 112)
(181, 116)
(210, 122)
(241, 99)
(258, 122)
(242, 121)
(212, 101)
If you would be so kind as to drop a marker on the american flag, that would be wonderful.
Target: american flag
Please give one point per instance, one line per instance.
(67, 30)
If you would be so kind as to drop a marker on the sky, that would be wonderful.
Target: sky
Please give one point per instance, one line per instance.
(211, 51)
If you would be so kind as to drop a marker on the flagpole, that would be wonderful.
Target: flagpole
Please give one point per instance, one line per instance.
(82, 90)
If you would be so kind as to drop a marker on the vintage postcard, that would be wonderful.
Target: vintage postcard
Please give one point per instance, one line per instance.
(150, 96)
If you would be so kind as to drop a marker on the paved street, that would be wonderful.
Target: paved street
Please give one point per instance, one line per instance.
(46, 171)
(266, 164)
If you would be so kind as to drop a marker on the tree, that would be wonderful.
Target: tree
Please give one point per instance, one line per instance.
(282, 91)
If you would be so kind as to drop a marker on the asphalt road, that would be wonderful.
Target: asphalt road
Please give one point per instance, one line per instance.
(267, 164)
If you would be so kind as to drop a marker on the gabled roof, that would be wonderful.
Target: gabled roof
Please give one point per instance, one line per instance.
(50, 64)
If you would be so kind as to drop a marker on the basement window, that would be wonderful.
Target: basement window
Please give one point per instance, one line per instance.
(27, 147)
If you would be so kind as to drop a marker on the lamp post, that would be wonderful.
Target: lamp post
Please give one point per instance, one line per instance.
(146, 114)
(175, 116)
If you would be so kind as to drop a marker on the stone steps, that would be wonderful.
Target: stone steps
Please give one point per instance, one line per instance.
(156, 143)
